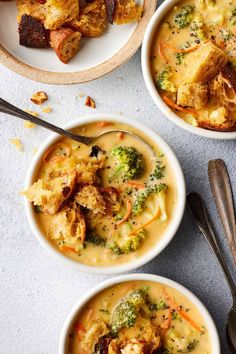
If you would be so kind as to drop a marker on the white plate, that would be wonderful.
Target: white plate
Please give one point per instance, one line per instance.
(96, 57)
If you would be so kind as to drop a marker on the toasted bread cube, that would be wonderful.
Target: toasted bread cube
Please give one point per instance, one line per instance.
(32, 33)
(205, 63)
(90, 198)
(127, 11)
(65, 42)
(92, 21)
(53, 13)
(219, 120)
(192, 95)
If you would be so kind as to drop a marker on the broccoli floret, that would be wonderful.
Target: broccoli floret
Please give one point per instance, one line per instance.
(184, 16)
(127, 244)
(95, 239)
(129, 161)
(163, 80)
(197, 28)
(141, 198)
(125, 314)
(159, 170)
(179, 58)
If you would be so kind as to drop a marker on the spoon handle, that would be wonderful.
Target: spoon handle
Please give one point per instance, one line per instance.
(222, 192)
(199, 212)
(8, 108)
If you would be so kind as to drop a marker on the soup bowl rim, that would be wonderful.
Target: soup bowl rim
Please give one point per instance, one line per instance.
(212, 330)
(172, 226)
(147, 75)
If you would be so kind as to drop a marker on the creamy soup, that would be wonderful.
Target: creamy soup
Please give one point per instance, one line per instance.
(193, 62)
(139, 317)
(104, 204)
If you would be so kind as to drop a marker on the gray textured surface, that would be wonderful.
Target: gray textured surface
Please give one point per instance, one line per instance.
(36, 290)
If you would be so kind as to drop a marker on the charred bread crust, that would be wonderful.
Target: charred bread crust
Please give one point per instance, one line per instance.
(32, 33)
(226, 127)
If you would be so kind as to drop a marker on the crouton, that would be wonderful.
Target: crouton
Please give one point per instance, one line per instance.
(222, 92)
(53, 13)
(110, 196)
(127, 11)
(192, 95)
(39, 97)
(219, 120)
(92, 20)
(133, 348)
(90, 198)
(87, 169)
(68, 226)
(32, 33)
(90, 337)
(50, 195)
(204, 63)
(65, 42)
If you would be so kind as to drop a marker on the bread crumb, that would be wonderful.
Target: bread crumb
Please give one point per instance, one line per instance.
(89, 102)
(35, 150)
(17, 143)
(33, 113)
(47, 109)
(81, 94)
(29, 125)
(39, 97)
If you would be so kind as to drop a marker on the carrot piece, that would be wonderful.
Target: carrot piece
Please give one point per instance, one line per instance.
(79, 328)
(182, 313)
(176, 50)
(67, 249)
(172, 104)
(121, 136)
(127, 214)
(103, 124)
(135, 184)
(147, 223)
(50, 150)
(161, 51)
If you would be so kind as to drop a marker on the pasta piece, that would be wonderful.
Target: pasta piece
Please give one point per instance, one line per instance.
(65, 42)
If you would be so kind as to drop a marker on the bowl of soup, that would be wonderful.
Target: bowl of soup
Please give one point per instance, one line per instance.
(188, 63)
(108, 207)
(139, 313)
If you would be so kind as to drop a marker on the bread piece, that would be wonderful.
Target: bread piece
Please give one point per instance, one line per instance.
(65, 42)
(192, 95)
(90, 198)
(204, 63)
(32, 33)
(92, 21)
(219, 120)
(127, 11)
(53, 13)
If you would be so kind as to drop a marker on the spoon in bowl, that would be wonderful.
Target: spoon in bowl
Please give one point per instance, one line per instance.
(8, 108)
(199, 212)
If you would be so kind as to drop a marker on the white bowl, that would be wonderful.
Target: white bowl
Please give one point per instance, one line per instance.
(147, 74)
(172, 227)
(214, 337)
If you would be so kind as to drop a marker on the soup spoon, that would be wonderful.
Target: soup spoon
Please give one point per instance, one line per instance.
(8, 108)
(199, 212)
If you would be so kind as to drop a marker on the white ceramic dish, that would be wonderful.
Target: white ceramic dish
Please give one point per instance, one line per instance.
(97, 56)
(171, 229)
(214, 337)
(146, 68)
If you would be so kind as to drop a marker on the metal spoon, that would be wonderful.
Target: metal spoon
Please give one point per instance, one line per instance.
(223, 195)
(199, 212)
(8, 108)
